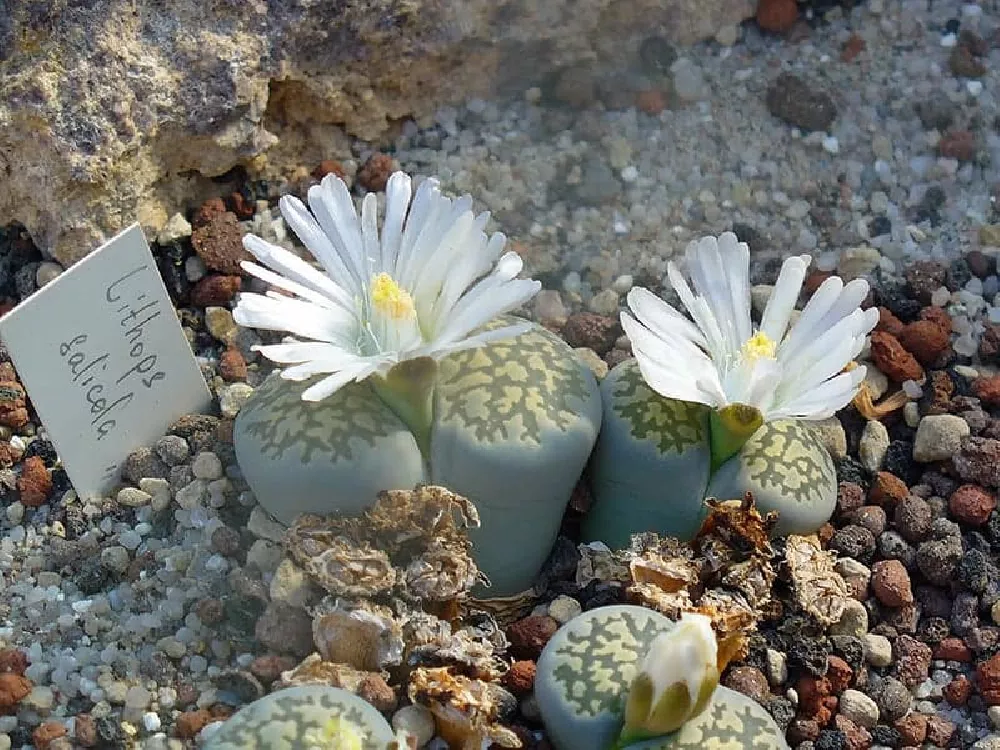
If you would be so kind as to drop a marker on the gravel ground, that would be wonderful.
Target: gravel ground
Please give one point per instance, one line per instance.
(868, 141)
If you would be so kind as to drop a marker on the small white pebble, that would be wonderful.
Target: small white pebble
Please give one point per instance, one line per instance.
(831, 145)
(151, 721)
(949, 40)
(630, 174)
(975, 88)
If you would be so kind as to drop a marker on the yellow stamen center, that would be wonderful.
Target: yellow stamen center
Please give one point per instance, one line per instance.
(390, 298)
(759, 346)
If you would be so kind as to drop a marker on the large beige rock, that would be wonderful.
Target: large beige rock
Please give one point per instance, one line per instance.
(112, 110)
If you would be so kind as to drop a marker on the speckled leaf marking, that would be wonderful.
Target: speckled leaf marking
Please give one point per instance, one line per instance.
(513, 390)
(727, 727)
(599, 658)
(286, 721)
(788, 457)
(674, 426)
(278, 417)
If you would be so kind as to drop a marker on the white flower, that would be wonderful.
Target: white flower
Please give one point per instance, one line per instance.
(675, 681)
(420, 289)
(721, 359)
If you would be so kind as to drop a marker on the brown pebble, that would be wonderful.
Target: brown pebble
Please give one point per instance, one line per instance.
(374, 689)
(750, 681)
(9, 455)
(913, 660)
(207, 211)
(953, 649)
(215, 290)
(13, 660)
(35, 482)
(925, 340)
(958, 144)
(871, 517)
(893, 359)
(957, 691)
(651, 101)
(46, 733)
(887, 490)
(13, 688)
(981, 264)
(987, 390)
(520, 678)
(189, 723)
(850, 497)
(988, 677)
(939, 730)
(989, 344)
(329, 166)
(375, 172)
(888, 322)
(232, 366)
(938, 316)
(13, 409)
(85, 730)
(972, 504)
(529, 636)
(219, 243)
(839, 673)
(210, 611)
(802, 730)
(891, 583)
(269, 667)
(853, 47)
(857, 737)
(239, 205)
(912, 729)
(777, 16)
(964, 64)
(593, 331)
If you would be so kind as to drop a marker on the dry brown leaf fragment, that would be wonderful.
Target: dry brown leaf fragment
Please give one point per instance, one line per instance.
(739, 524)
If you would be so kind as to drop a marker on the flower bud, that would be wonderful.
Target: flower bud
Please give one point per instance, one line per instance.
(675, 681)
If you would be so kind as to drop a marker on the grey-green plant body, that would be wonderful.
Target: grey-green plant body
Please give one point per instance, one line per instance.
(584, 674)
(514, 422)
(300, 718)
(651, 467)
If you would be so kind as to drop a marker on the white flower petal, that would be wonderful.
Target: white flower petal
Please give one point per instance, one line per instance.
(300, 318)
(330, 385)
(307, 229)
(779, 307)
(296, 270)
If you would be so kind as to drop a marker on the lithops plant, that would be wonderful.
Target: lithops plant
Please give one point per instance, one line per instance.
(302, 718)
(716, 405)
(405, 370)
(625, 676)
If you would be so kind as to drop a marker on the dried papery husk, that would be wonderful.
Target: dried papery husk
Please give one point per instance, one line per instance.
(365, 636)
(818, 588)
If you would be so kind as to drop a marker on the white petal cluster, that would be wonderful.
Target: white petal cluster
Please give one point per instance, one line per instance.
(419, 288)
(784, 371)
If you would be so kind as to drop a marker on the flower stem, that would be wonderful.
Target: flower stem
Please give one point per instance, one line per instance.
(730, 428)
(408, 389)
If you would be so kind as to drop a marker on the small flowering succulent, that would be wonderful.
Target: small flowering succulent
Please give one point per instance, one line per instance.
(402, 368)
(716, 405)
(421, 289)
(624, 676)
(750, 374)
(675, 682)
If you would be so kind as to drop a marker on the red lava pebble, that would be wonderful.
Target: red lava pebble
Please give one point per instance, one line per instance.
(887, 490)
(13, 660)
(329, 166)
(957, 691)
(375, 172)
(13, 689)
(988, 677)
(13, 408)
(777, 16)
(529, 635)
(925, 340)
(46, 733)
(939, 731)
(972, 504)
(888, 322)
(215, 290)
(938, 316)
(958, 144)
(520, 678)
(651, 101)
(219, 243)
(839, 673)
(987, 390)
(189, 723)
(853, 47)
(232, 366)
(891, 583)
(912, 729)
(35, 482)
(239, 205)
(893, 359)
(207, 211)
(953, 649)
